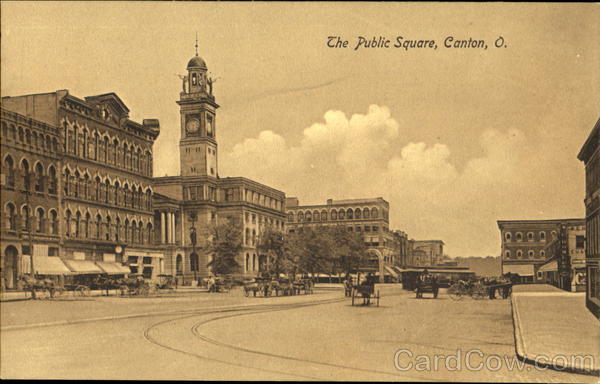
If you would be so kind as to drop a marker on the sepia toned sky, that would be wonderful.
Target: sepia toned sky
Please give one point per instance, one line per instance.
(454, 139)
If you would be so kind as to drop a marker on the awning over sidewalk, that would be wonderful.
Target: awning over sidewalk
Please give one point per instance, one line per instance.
(521, 269)
(49, 265)
(83, 267)
(390, 271)
(549, 267)
(113, 268)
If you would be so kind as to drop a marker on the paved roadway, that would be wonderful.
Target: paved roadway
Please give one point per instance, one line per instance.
(227, 337)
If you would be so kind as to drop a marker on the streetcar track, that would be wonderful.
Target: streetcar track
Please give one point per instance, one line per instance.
(284, 357)
(248, 310)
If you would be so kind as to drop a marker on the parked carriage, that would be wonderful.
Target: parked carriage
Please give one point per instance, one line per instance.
(135, 285)
(427, 284)
(304, 284)
(478, 290)
(366, 290)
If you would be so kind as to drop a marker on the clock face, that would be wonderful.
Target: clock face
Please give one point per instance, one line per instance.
(192, 126)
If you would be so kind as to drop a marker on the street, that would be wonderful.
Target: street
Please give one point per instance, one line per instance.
(227, 336)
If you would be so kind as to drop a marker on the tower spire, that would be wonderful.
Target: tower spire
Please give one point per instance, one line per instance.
(196, 43)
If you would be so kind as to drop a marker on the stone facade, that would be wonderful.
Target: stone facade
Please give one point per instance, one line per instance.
(199, 198)
(590, 155)
(82, 171)
(426, 252)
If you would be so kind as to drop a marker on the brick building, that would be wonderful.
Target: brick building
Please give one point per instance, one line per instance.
(590, 155)
(543, 250)
(77, 177)
(426, 252)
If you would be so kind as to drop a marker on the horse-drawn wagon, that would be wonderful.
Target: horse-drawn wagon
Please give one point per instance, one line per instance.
(427, 284)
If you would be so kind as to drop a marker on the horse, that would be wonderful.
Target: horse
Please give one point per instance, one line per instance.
(43, 284)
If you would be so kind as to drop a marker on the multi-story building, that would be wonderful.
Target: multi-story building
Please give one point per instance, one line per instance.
(426, 252)
(590, 155)
(402, 245)
(543, 250)
(199, 198)
(81, 170)
(370, 217)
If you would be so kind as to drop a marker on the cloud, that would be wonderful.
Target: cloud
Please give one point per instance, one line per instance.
(365, 156)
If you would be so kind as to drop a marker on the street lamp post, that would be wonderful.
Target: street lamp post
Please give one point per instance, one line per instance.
(193, 241)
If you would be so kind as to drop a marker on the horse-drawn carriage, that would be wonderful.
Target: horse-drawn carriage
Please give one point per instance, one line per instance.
(427, 283)
(285, 285)
(478, 289)
(367, 291)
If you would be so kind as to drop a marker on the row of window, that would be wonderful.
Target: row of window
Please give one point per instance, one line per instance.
(262, 200)
(348, 214)
(592, 178)
(25, 177)
(519, 254)
(358, 228)
(38, 141)
(77, 225)
(117, 194)
(263, 220)
(93, 146)
(530, 236)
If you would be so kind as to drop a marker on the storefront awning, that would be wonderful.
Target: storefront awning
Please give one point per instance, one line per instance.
(113, 268)
(82, 267)
(390, 271)
(549, 267)
(49, 265)
(520, 269)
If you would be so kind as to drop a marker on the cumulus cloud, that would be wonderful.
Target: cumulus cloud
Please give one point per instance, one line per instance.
(364, 156)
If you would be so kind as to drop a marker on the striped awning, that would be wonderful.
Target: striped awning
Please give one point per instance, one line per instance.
(113, 268)
(49, 265)
(83, 267)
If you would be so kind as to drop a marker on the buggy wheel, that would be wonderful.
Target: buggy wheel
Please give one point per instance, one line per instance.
(82, 290)
(378, 297)
(455, 292)
(353, 295)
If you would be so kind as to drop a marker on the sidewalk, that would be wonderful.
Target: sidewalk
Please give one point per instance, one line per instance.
(553, 328)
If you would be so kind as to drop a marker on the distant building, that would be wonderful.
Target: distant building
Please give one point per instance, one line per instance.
(369, 217)
(590, 155)
(543, 251)
(426, 252)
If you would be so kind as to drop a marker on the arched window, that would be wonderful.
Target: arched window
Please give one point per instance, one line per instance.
(366, 213)
(41, 227)
(140, 233)
(374, 213)
(97, 188)
(254, 237)
(350, 214)
(530, 254)
(149, 236)
(507, 236)
(107, 191)
(357, 213)
(308, 216)
(26, 218)
(11, 217)
(98, 226)
(334, 215)
(28, 136)
(134, 232)
(323, 215)
(248, 239)
(542, 254)
(254, 262)
(9, 166)
(68, 223)
(519, 236)
(78, 224)
(300, 216)
(316, 216)
(290, 217)
(127, 230)
(149, 199)
(519, 254)
(118, 192)
(21, 135)
(109, 231)
(76, 182)
(52, 182)
(25, 175)
(105, 151)
(115, 154)
(507, 254)
(543, 236)
(86, 226)
(530, 236)
(86, 186)
(247, 262)
(194, 262)
(53, 222)
(341, 214)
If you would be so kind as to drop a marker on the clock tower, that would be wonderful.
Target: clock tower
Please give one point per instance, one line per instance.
(198, 144)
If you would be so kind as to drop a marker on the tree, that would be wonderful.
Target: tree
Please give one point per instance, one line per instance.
(272, 243)
(349, 250)
(225, 245)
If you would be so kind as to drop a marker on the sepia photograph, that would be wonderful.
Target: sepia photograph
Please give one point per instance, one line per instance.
(300, 191)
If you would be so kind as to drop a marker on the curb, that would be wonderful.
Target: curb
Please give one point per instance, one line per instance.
(521, 350)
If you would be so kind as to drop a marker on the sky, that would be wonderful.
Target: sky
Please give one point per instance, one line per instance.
(454, 139)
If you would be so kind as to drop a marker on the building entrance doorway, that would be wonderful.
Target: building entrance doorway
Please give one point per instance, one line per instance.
(9, 269)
